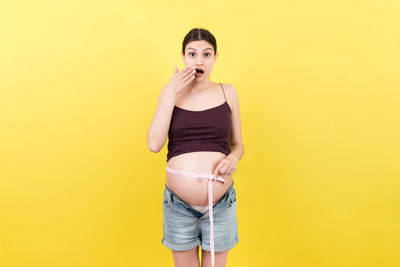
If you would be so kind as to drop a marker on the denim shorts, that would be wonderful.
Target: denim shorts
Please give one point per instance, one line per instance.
(185, 228)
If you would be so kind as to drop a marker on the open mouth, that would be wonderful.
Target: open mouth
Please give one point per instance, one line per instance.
(199, 71)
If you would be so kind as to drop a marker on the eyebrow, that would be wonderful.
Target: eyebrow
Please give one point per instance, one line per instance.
(203, 49)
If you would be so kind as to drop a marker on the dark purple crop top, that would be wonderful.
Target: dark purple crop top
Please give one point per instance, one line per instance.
(203, 130)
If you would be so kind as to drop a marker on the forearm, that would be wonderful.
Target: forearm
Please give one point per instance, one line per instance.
(236, 152)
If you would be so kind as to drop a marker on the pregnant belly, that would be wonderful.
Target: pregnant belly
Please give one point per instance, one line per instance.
(195, 190)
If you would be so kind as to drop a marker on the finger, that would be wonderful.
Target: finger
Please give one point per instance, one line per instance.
(189, 71)
(185, 69)
(175, 69)
(229, 168)
(189, 76)
(190, 68)
(223, 170)
(188, 80)
(217, 169)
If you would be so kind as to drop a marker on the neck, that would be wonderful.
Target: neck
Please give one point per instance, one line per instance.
(199, 85)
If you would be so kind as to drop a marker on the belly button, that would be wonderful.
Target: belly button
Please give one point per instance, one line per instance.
(199, 180)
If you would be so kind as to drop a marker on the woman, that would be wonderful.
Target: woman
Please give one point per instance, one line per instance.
(202, 121)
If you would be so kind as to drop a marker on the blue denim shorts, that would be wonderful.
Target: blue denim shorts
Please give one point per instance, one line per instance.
(185, 228)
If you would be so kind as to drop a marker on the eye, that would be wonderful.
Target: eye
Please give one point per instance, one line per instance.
(191, 53)
(207, 54)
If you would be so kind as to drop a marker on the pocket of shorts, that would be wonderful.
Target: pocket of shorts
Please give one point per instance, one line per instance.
(232, 201)
(166, 199)
(232, 198)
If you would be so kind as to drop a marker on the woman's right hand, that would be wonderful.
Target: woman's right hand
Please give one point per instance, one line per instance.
(181, 79)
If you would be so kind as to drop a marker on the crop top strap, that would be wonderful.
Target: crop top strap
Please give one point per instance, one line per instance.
(223, 91)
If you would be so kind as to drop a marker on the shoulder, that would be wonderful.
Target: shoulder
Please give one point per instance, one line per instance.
(231, 95)
(229, 89)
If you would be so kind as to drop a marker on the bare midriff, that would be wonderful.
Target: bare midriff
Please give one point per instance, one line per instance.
(195, 190)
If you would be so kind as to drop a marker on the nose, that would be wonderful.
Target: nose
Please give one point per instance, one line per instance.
(199, 63)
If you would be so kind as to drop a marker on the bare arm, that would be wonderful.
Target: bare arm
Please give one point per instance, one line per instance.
(228, 164)
(158, 130)
(236, 137)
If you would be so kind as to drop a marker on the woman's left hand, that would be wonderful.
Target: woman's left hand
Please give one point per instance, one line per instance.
(226, 166)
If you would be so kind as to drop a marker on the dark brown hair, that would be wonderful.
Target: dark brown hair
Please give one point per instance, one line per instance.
(197, 34)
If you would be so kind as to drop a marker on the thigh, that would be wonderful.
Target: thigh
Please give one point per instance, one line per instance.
(220, 258)
(187, 258)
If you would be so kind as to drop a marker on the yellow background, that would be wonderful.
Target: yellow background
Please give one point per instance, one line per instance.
(318, 85)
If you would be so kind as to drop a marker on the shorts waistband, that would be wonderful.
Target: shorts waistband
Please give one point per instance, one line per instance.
(227, 193)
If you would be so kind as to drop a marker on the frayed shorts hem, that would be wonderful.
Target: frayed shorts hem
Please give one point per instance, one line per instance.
(180, 247)
(195, 244)
(220, 249)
